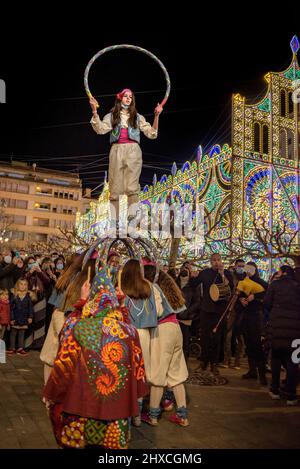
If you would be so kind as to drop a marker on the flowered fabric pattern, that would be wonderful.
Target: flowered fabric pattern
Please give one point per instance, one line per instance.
(78, 432)
(98, 374)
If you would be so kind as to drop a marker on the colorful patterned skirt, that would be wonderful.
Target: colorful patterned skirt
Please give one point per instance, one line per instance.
(73, 431)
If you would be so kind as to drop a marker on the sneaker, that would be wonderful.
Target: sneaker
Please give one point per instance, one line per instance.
(22, 352)
(273, 395)
(179, 420)
(137, 421)
(10, 351)
(291, 402)
(167, 405)
(223, 365)
(150, 420)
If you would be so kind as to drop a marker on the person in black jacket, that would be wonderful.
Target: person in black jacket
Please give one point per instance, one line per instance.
(251, 327)
(283, 301)
(11, 269)
(211, 310)
(192, 311)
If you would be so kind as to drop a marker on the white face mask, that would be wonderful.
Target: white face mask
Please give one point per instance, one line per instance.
(7, 259)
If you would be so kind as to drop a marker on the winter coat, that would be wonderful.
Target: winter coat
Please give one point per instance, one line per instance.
(192, 303)
(9, 274)
(21, 310)
(4, 312)
(283, 301)
(38, 282)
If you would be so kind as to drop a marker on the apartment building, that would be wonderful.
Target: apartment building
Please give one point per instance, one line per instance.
(38, 201)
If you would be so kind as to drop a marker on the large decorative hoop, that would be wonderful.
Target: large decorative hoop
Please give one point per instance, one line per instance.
(134, 248)
(127, 46)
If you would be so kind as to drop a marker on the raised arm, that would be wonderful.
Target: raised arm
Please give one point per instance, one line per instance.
(101, 127)
(157, 112)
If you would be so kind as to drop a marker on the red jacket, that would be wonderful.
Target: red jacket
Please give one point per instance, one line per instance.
(99, 369)
(4, 312)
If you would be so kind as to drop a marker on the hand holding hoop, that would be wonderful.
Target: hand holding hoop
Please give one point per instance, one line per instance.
(158, 110)
(94, 104)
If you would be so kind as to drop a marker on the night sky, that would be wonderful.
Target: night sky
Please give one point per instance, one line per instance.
(44, 70)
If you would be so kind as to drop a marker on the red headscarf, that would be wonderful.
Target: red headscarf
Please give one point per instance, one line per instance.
(121, 94)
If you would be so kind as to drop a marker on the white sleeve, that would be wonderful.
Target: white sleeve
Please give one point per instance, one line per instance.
(147, 128)
(101, 126)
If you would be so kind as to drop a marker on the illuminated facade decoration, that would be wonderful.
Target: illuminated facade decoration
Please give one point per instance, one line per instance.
(265, 161)
(257, 176)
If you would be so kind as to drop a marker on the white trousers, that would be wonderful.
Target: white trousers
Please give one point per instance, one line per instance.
(167, 362)
(125, 166)
(144, 335)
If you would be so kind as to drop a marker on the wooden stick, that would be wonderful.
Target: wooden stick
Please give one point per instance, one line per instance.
(230, 303)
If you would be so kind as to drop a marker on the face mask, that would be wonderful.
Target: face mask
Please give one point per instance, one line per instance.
(34, 264)
(59, 266)
(7, 259)
(39, 261)
(23, 257)
(240, 270)
(124, 106)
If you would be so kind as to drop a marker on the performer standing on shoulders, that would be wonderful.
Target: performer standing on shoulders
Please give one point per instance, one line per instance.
(125, 157)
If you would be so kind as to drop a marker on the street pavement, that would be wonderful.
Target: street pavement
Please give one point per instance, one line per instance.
(239, 414)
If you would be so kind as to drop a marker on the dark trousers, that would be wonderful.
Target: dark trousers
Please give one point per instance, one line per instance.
(13, 336)
(210, 341)
(251, 328)
(186, 339)
(283, 357)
